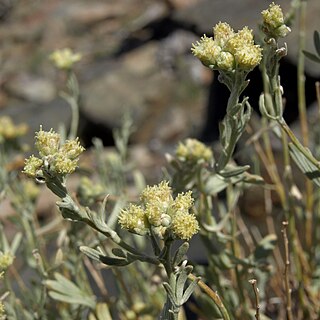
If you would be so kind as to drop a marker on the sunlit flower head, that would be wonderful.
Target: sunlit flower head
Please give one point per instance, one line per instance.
(32, 166)
(64, 58)
(184, 225)
(6, 260)
(221, 53)
(161, 213)
(273, 21)
(58, 158)
(133, 219)
(193, 150)
(47, 142)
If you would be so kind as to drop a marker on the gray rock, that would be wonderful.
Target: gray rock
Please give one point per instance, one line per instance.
(31, 88)
(50, 115)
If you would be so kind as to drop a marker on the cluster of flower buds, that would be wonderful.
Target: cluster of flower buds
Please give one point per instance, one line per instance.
(228, 50)
(273, 22)
(55, 158)
(6, 260)
(65, 58)
(161, 213)
(192, 150)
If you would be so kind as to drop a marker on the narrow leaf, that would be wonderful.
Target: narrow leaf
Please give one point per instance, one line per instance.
(91, 253)
(304, 164)
(86, 301)
(180, 253)
(170, 293)
(189, 290)
(311, 56)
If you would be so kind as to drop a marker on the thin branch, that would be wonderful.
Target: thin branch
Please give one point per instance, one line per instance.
(256, 293)
(287, 270)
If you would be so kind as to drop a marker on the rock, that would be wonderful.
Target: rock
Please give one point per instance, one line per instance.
(50, 115)
(31, 88)
(141, 83)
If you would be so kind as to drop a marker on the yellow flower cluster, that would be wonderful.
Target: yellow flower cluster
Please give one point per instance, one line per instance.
(273, 21)
(6, 260)
(9, 131)
(228, 50)
(161, 212)
(64, 58)
(193, 150)
(59, 159)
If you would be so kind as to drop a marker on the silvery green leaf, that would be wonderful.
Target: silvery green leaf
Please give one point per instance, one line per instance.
(189, 290)
(119, 253)
(63, 289)
(85, 301)
(231, 171)
(16, 242)
(181, 281)
(91, 253)
(180, 253)
(304, 164)
(311, 56)
(217, 226)
(110, 261)
(170, 293)
(215, 184)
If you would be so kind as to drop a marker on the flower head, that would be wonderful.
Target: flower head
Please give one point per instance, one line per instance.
(193, 150)
(133, 219)
(32, 166)
(161, 213)
(184, 225)
(157, 195)
(64, 58)
(273, 21)
(222, 53)
(57, 158)
(47, 142)
(222, 33)
(72, 149)
(6, 260)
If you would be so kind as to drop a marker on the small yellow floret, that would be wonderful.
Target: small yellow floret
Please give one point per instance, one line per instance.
(32, 165)
(183, 201)
(194, 151)
(157, 195)
(273, 21)
(273, 16)
(64, 58)
(133, 219)
(47, 142)
(64, 165)
(222, 33)
(206, 50)
(6, 260)
(184, 225)
(72, 149)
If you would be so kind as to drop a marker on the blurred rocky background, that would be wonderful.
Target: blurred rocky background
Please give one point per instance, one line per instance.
(136, 57)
